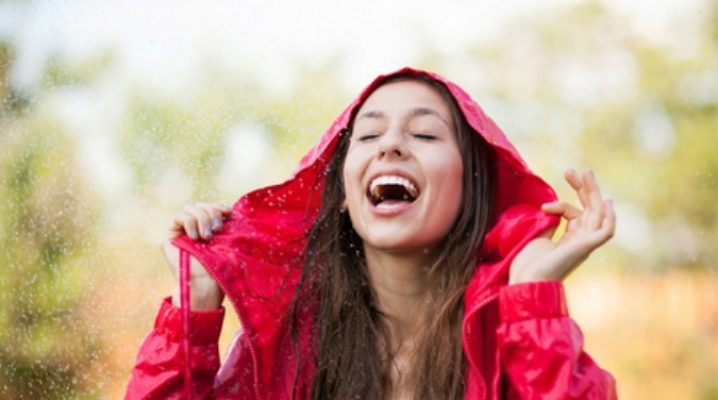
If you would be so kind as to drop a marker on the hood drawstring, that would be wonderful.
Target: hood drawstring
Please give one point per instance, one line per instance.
(185, 306)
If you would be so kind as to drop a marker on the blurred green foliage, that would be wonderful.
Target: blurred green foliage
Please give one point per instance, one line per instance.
(653, 144)
(47, 229)
(652, 140)
(161, 135)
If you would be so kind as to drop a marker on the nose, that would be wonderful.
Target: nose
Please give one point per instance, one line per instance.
(391, 144)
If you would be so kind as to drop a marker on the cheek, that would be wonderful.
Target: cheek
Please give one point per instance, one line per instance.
(351, 175)
(450, 178)
(456, 190)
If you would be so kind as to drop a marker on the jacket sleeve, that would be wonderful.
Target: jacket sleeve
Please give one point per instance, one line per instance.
(157, 373)
(541, 348)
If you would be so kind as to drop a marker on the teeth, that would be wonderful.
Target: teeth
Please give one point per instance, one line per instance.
(392, 180)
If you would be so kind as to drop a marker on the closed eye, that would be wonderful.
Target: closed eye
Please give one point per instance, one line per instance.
(424, 136)
(367, 137)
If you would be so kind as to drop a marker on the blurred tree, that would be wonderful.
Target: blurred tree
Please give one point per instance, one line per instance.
(574, 81)
(643, 115)
(47, 225)
(191, 136)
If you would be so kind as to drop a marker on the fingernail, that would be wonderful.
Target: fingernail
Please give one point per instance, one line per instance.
(193, 233)
(207, 232)
(216, 223)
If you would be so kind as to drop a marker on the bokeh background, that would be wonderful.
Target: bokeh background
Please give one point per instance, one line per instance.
(116, 114)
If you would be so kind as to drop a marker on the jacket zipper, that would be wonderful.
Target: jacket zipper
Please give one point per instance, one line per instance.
(252, 351)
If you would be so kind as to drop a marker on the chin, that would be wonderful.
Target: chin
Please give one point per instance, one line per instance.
(395, 242)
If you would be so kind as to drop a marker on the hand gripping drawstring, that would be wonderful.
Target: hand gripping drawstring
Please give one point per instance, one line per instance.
(185, 306)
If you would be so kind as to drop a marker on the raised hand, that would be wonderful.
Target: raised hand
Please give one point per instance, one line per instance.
(586, 230)
(198, 221)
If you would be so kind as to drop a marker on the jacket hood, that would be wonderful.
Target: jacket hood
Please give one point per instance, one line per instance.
(257, 256)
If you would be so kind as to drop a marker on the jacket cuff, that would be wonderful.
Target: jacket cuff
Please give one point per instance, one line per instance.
(531, 300)
(205, 326)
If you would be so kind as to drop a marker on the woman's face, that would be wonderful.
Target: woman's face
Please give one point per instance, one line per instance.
(403, 169)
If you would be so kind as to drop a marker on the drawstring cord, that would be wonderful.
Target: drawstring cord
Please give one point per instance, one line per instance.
(185, 305)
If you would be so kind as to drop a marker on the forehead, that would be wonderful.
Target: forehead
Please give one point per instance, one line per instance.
(397, 98)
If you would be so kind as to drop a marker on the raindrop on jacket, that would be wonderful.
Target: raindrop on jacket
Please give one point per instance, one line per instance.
(519, 341)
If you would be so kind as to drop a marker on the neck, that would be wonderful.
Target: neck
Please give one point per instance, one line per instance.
(399, 282)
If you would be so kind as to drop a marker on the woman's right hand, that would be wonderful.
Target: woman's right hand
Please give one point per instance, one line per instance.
(199, 221)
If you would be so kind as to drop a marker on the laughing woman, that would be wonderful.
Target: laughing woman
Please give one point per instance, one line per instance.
(409, 256)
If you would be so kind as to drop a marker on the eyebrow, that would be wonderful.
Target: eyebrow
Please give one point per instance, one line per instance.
(415, 112)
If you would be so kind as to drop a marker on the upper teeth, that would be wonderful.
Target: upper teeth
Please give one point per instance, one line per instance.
(392, 180)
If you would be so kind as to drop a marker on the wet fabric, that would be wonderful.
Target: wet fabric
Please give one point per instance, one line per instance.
(518, 339)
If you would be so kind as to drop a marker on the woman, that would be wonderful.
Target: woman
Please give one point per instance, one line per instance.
(408, 257)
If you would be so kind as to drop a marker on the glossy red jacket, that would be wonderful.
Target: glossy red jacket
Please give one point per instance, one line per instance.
(519, 340)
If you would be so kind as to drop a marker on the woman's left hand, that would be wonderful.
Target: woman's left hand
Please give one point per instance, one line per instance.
(587, 229)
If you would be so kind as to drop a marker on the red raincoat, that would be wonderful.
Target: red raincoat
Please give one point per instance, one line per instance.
(519, 340)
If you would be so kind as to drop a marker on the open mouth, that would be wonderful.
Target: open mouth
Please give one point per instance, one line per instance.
(391, 189)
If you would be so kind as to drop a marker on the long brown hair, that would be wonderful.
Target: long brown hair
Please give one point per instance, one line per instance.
(351, 351)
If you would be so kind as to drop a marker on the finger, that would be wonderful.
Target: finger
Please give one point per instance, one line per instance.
(176, 227)
(202, 219)
(591, 185)
(188, 223)
(592, 189)
(608, 225)
(595, 206)
(224, 209)
(204, 222)
(566, 210)
(577, 184)
(214, 212)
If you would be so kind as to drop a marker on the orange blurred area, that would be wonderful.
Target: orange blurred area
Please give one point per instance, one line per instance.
(656, 333)
(113, 119)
